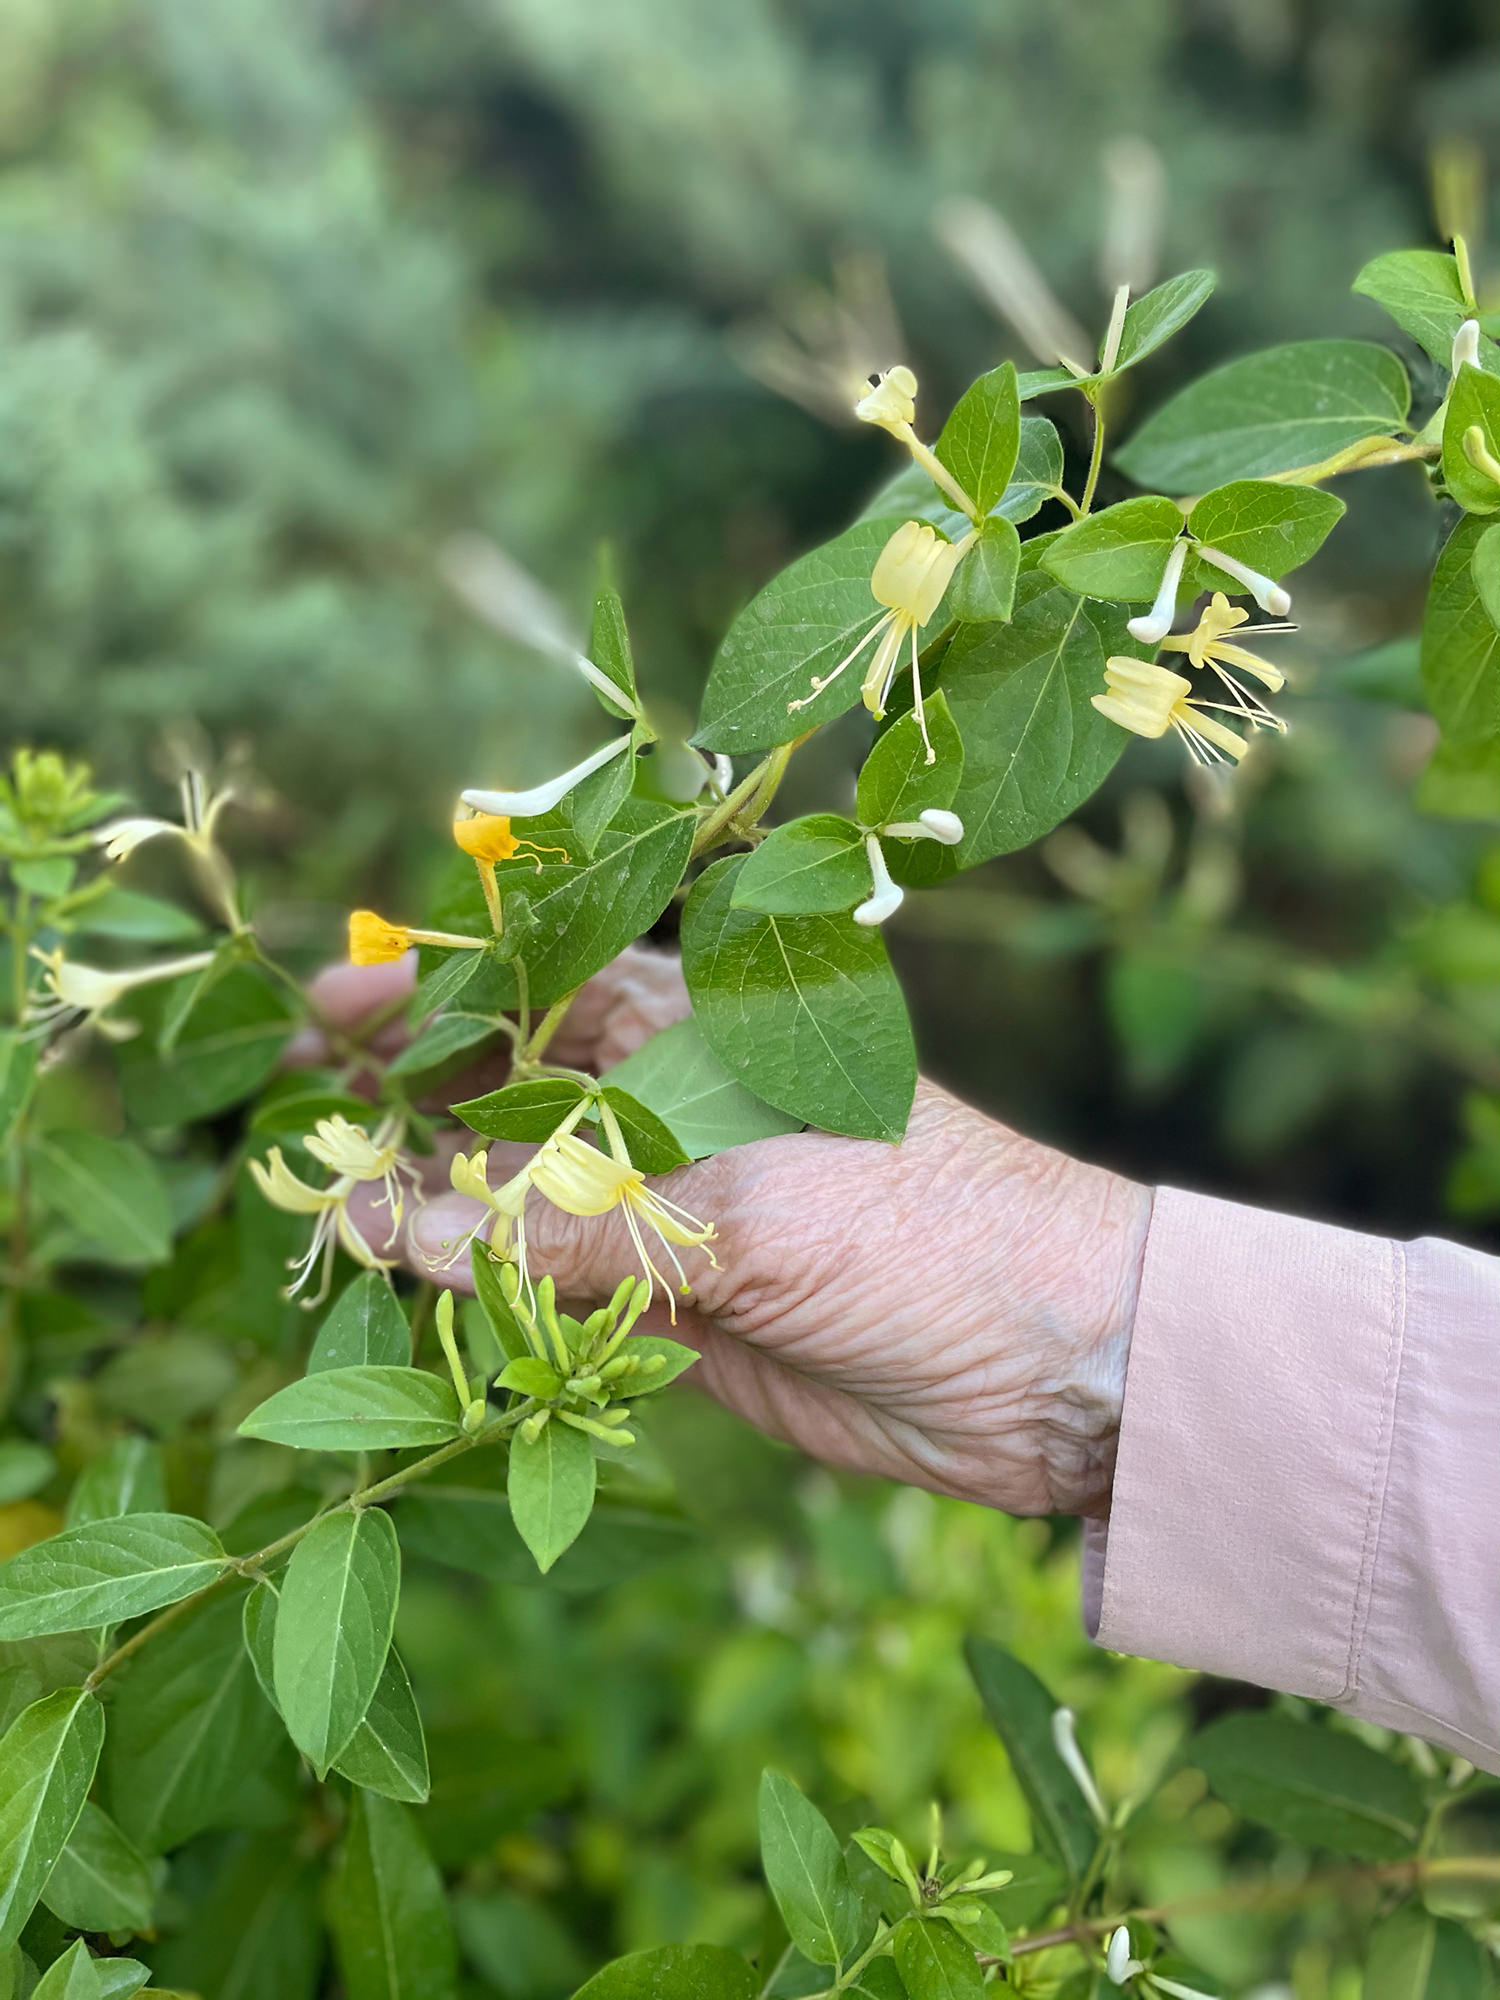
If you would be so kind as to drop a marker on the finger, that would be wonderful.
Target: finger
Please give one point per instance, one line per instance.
(344, 997)
(621, 1008)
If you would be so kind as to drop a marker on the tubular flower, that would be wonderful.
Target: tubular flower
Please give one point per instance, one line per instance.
(542, 798)
(910, 575)
(503, 1225)
(1207, 646)
(1267, 593)
(886, 897)
(1466, 346)
(353, 1157)
(1150, 699)
(1118, 1962)
(933, 824)
(200, 815)
(890, 402)
(580, 1180)
(374, 941)
(487, 837)
(88, 990)
(1154, 625)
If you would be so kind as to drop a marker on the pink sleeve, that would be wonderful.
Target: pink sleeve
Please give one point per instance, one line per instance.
(1308, 1486)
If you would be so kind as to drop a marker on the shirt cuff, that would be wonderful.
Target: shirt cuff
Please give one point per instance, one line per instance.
(1254, 1448)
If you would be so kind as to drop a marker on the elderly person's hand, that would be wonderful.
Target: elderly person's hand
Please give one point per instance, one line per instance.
(954, 1311)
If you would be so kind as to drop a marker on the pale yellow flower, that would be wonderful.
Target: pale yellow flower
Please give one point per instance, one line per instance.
(582, 1181)
(201, 808)
(88, 990)
(1207, 645)
(1149, 700)
(354, 1158)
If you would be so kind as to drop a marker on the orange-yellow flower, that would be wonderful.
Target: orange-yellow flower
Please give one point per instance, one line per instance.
(487, 838)
(373, 940)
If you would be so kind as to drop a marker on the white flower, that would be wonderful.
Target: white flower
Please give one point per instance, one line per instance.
(201, 808)
(1176, 1988)
(933, 824)
(1117, 1960)
(542, 798)
(886, 897)
(1154, 625)
(1066, 1744)
(891, 403)
(75, 988)
(1208, 645)
(1267, 593)
(1466, 346)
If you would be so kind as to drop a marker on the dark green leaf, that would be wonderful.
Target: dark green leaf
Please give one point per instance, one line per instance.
(1485, 563)
(935, 1964)
(1415, 1956)
(812, 864)
(609, 647)
(594, 803)
(805, 1872)
(1421, 292)
(110, 1193)
(800, 626)
(1269, 412)
(443, 1041)
(507, 1329)
(256, 1934)
(678, 1076)
(470, 1528)
(651, 1143)
(293, 1104)
(551, 1489)
(333, 1628)
(983, 589)
(392, 1934)
(523, 1112)
(137, 919)
(1474, 404)
(74, 1976)
(980, 440)
(444, 983)
(1118, 554)
(366, 1328)
(1038, 473)
(102, 1571)
(1461, 647)
(387, 1753)
(896, 781)
(1268, 526)
(187, 1728)
(226, 1049)
(674, 1972)
(18, 1054)
(101, 1882)
(1311, 1785)
(47, 1760)
(1158, 314)
(1021, 1710)
(805, 1011)
(358, 1409)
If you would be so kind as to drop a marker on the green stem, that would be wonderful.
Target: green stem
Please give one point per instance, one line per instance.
(1096, 459)
(718, 821)
(528, 1056)
(878, 1947)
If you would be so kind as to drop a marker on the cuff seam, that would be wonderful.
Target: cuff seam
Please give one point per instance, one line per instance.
(1364, 1589)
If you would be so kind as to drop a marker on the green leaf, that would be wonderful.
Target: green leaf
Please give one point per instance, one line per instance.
(800, 626)
(934, 1963)
(1461, 647)
(25, 1467)
(1462, 780)
(679, 1077)
(366, 1328)
(1021, 1710)
(805, 1011)
(103, 1571)
(333, 1629)
(674, 1358)
(674, 1972)
(120, 1978)
(1473, 403)
(108, 1191)
(1416, 1956)
(18, 1056)
(805, 1872)
(101, 1882)
(651, 1143)
(1157, 315)
(470, 1528)
(527, 1375)
(1034, 745)
(1267, 526)
(507, 1329)
(976, 1924)
(583, 911)
(1421, 292)
(1118, 554)
(443, 1041)
(392, 1935)
(1311, 1785)
(896, 781)
(293, 1104)
(609, 648)
(984, 584)
(550, 1487)
(981, 438)
(913, 495)
(227, 1048)
(1485, 564)
(358, 1409)
(1044, 381)
(74, 1976)
(447, 979)
(812, 864)
(257, 1933)
(47, 1760)
(523, 1112)
(135, 918)
(187, 1727)
(1269, 412)
(128, 1477)
(1038, 473)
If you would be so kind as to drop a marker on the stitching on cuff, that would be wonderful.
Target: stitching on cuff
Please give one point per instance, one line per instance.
(1364, 1590)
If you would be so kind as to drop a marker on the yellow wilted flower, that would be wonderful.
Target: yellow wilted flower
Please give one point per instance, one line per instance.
(373, 940)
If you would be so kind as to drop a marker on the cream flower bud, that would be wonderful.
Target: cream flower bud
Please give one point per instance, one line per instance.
(887, 897)
(1118, 1962)
(913, 570)
(1466, 346)
(933, 824)
(891, 399)
(1157, 622)
(1066, 1745)
(542, 798)
(1267, 593)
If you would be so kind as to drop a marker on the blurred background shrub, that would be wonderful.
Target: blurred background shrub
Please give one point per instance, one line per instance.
(295, 292)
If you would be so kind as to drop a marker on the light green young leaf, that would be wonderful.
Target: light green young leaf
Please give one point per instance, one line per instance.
(392, 1935)
(651, 1143)
(817, 863)
(108, 1191)
(358, 1409)
(1416, 1956)
(1120, 553)
(1473, 404)
(47, 1760)
(805, 1872)
(935, 1963)
(103, 1571)
(227, 1048)
(1421, 292)
(1269, 412)
(1269, 527)
(528, 1375)
(25, 1467)
(187, 1727)
(674, 1972)
(1021, 1710)
(550, 1487)
(805, 1011)
(980, 440)
(1311, 1785)
(678, 1076)
(102, 1882)
(1461, 647)
(74, 1976)
(984, 584)
(675, 1359)
(1157, 315)
(799, 626)
(366, 1328)
(128, 1477)
(333, 1629)
(523, 1112)
(1038, 473)
(896, 781)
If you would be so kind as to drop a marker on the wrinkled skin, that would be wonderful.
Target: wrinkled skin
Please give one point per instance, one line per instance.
(953, 1312)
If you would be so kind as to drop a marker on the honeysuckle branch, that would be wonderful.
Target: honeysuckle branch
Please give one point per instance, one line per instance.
(744, 806)
(1096, 456)
(1361, 456)
(253, 1566)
